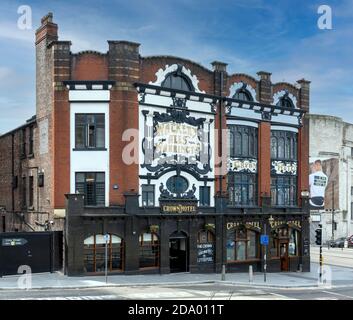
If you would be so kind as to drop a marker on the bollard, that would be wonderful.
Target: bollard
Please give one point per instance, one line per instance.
(223, 272)
(300, 268)
(251, 274)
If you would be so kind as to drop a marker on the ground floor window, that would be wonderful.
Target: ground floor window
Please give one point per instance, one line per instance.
(242, 244)
(205, 246)
(94, 253)
(149, 250)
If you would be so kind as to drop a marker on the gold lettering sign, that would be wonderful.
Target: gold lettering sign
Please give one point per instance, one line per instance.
(180, 208)
(251, 224)
(277, 223)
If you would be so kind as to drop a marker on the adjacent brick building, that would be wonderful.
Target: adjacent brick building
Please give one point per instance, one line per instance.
(183, 167)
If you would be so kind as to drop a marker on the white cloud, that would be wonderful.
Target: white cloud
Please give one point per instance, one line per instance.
(10, 31)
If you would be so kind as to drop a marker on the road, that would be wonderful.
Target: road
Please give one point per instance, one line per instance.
(181, 293)
(334, 256)
(337, 258)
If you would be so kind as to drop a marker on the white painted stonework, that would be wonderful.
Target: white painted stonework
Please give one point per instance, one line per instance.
(89, 95)
(162, 73)
(89, 161)
(146, 129)
(280, 94)
(237, 85)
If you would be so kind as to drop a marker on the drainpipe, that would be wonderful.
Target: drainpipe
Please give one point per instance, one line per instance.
(12, 172)
(220, 129)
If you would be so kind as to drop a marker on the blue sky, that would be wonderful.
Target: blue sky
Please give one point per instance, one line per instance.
(280, 36)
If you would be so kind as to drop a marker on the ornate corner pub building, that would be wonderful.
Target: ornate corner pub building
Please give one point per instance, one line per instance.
(183, 167)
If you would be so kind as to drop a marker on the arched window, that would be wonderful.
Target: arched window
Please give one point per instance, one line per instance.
(242, 245)
(177, 80)
(205, 246)
(94, 253)
(243, 94)
(285, 102)
(149, 250)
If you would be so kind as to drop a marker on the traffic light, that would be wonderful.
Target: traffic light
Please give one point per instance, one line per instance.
(318, 237)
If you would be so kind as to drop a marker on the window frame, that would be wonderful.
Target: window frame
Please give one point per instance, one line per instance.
(231, 183)
(93, 250)
(23, 144)
(283, 135)
(172, 184)
(181, 76)
(148, 192)
(87, 204)
(236, 239)
(285, 102)
(30, 191)
(243, 92)
(86, 127)
(242, 131)
(204, 199)
(24, 192)
(152, 247)
(289, 186)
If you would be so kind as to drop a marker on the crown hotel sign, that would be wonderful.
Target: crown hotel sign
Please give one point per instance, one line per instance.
(174, 207)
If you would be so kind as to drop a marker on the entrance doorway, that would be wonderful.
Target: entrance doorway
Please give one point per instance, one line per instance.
(178, 252)
(283, 250)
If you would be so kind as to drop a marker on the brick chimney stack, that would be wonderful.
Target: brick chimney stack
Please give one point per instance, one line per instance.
(48, 29)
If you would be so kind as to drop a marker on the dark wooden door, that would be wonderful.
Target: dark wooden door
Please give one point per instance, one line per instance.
(178, 255)
(283, 250)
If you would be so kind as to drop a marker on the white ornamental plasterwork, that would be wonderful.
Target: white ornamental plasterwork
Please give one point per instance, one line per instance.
(161, 75)
(280, 94)
(242, 165)
(237, 85)
(283, 167)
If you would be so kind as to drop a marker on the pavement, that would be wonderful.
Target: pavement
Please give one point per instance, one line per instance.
(340, 277)
(333, 256)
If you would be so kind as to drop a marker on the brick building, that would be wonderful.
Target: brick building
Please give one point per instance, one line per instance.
(182, 166)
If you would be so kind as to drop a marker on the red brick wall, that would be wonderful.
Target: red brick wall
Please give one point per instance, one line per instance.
(264, 158)
(5, 172)
(61, 148)
(150, 65)
(89, 66)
